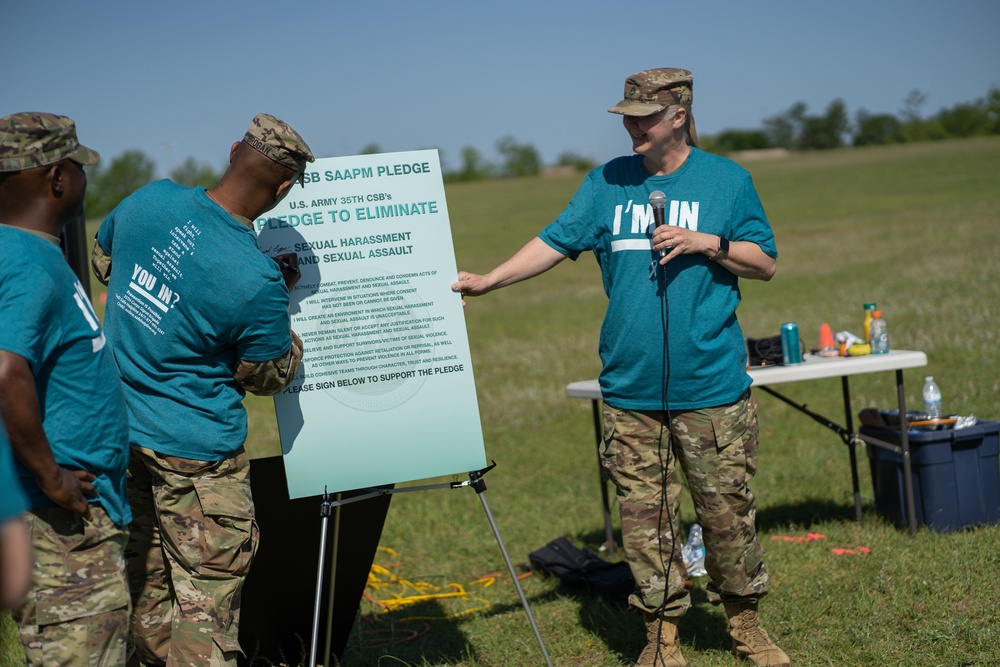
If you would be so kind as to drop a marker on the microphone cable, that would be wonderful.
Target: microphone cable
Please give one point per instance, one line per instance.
(664, 461)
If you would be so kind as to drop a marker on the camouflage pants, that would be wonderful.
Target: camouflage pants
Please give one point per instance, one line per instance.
(717, 450)
(78, 608)
(193, 538)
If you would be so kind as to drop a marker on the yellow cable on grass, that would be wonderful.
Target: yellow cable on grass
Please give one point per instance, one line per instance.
(393, 593)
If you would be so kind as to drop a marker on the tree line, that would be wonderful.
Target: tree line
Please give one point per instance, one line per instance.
(132, 169)
(796, 129)
(793, 129)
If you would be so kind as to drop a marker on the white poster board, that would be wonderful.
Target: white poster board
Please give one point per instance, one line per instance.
(386, 392)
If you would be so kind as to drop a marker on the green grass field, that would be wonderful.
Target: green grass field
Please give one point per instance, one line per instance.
(912, 227)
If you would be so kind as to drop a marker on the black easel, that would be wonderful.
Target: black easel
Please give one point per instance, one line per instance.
(476, 482)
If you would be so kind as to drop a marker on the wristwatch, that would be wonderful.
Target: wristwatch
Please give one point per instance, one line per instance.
(723, 249)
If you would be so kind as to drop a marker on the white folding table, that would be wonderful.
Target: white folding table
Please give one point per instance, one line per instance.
(813, 367)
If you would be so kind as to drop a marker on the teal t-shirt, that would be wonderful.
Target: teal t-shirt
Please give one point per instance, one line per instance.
(46, 318)
(12, 500)
(190, 293)
(611, 216)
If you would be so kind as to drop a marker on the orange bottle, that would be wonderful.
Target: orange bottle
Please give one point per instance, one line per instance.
(869, 309)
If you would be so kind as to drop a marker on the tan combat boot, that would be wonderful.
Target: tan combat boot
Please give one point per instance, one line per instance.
(663, 647)
(750, 641)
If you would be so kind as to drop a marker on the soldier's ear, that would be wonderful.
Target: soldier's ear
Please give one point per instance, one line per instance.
(283, 189)
(679, 117)
(55, 175)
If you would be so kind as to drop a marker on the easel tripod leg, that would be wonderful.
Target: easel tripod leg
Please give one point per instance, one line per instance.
(477, 483)
(513, 576)
(325, 518)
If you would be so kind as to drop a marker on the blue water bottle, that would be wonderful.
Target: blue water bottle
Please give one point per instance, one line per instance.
(791, 349)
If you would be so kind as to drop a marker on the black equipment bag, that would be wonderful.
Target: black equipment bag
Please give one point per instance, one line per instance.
(764, 351)
(559, 558)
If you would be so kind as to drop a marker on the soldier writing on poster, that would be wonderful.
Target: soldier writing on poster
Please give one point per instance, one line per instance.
(197, 315)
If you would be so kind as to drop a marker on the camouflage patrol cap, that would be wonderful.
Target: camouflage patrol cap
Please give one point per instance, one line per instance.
(654, 90)
(277, 141)
(34, 139)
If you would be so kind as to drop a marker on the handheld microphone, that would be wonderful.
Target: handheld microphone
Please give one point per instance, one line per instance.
(657, 200)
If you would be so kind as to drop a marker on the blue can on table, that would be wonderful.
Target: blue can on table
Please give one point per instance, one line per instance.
(791, 349)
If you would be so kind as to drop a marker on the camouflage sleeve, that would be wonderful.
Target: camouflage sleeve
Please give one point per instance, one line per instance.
(267, 378)
(100, 261)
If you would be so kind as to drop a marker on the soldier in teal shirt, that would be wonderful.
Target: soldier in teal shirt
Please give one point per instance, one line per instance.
(12, 501)
(673, 376)
(62, 405)
(15, 547)
(197, 316)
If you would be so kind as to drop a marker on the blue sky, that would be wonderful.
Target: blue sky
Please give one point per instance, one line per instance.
(183, 79)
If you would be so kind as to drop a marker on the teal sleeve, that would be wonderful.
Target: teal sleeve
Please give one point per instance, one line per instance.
(266, 331)
(750, 222)
(12, 500)
(574, 231)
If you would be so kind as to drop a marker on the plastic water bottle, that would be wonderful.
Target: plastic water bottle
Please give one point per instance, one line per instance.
(693, 553)
(879, 334)
(932, 398)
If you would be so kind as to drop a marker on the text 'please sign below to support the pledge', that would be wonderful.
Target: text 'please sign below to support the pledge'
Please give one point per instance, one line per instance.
(386, 392)
(383, 377)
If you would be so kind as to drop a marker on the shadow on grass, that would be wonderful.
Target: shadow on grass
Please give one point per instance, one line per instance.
(422, 634)
(805, 514)
(623, 631)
